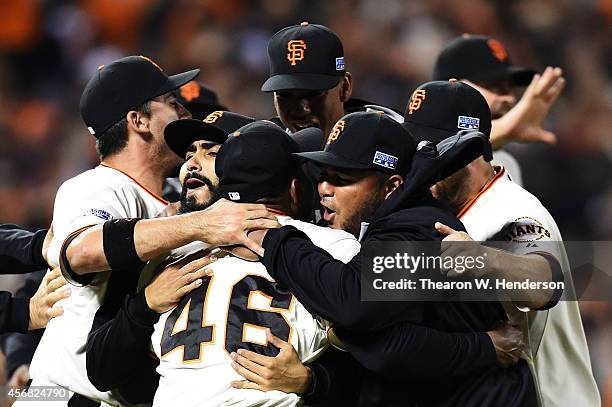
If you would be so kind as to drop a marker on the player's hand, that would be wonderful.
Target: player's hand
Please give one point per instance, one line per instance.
(523, 122)
(176, 280)
(227, 223)
(284, 372)
(49, 292)
(20, 376)
(460, 244)
(47, 243)
(508, 343)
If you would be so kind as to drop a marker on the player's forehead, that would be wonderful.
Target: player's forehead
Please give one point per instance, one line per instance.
(300, 93)
(166, 98)
(203, 145)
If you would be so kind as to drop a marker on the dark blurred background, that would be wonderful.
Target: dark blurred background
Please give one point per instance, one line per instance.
(49, 49)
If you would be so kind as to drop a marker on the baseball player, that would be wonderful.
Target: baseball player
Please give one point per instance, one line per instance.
(125, 105)
(118, 349)
(396, 344)
(308, 76)
(484, 63)
(493, 208)
(241, 305)
(200, 101)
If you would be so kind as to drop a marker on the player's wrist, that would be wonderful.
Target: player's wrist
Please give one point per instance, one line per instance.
(306, 380)
(149, 300)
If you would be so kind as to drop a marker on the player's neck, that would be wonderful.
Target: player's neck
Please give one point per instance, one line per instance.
(140, 167)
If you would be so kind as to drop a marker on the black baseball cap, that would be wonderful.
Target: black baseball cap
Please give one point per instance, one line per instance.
(366, 140)
(180, 134)
(305, 56)
(122, 86)
(438, 110)
(478, 58)
(256, 161)
(199, 99)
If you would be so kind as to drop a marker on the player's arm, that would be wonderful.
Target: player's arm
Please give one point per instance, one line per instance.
(118, 350)
(417, 352)
(536, 267)
(21, 251)
(523, 122)
(127, 243)
(329, 287)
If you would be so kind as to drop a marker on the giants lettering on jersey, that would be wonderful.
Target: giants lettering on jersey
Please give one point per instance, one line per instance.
(525, 229)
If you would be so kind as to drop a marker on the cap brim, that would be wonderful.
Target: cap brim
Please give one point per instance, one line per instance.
(176, 81)
(310, 139)
(420, 132)
(332, 160)
(308, 81)
(518, 75)
(180, 134)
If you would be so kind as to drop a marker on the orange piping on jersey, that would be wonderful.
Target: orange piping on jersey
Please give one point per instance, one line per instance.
(484, 189)
(153, 194)
(76, 232)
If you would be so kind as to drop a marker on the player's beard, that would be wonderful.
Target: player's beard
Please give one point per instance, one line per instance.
(364, 214)
(453, 189)
(189, 203)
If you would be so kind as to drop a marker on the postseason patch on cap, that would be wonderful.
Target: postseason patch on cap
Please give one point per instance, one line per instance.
(468, 123)
(340, 64)
(234, 196)
(385, 160)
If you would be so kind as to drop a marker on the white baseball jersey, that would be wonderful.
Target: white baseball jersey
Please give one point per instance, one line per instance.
(232, 311)
(90, 198)
(556, 348)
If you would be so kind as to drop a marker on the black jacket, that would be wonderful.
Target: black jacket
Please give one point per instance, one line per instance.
(20, 252)
(415, 353)
(18, 348)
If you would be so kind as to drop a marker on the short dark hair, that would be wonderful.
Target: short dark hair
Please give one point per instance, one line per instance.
(115, 138)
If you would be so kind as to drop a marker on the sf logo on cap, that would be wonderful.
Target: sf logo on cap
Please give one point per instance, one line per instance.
(190, 91)
(335, 133)
(497, 49)
(296, 51)
(418, 96)
(213, 117)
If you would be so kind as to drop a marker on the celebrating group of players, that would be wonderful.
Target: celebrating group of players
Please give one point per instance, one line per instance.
(246, 291)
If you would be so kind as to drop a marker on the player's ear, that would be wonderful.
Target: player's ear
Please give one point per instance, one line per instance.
(138, 121)
(346, 89)
(392, 184)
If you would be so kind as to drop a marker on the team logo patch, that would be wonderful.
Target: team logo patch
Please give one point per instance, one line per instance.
(468, 123)
(417, 98)
(335, 133)
(234, 196)
(213, 117)
(296, 51)
(190, 91)
(340, 64)
(525, 229)
(385, 160)
(98, 213)
(497, 49)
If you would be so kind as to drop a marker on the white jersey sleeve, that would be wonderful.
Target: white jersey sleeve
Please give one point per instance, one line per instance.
(91, 198)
